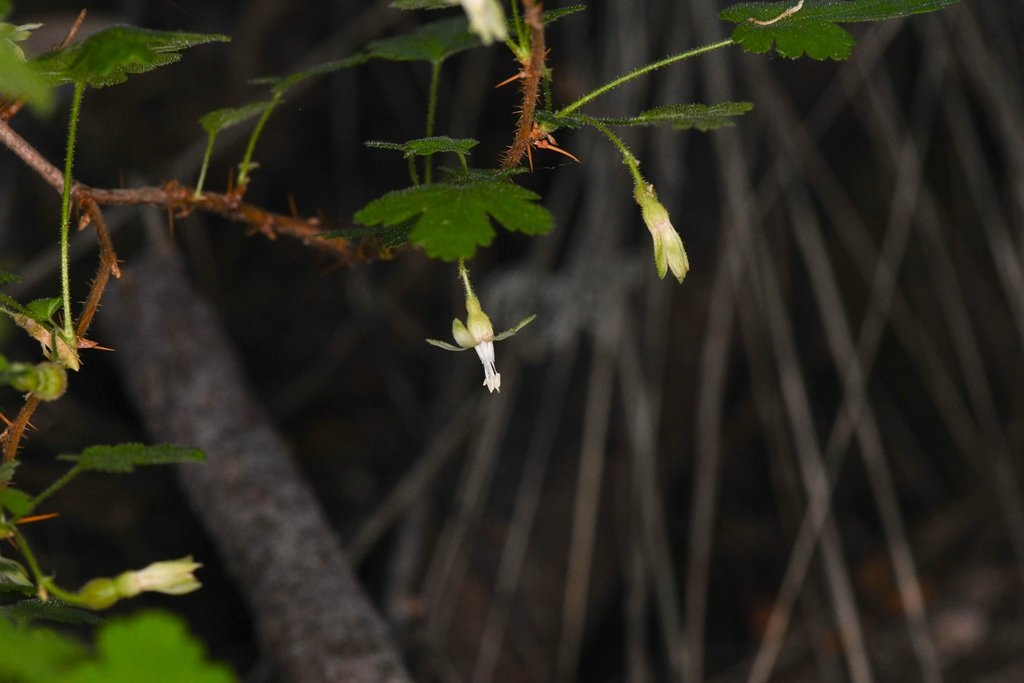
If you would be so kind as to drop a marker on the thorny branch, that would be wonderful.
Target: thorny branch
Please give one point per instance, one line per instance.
(179, 201)
(533, 70)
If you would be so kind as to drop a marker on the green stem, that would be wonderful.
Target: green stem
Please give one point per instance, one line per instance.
(243, 167)
(59, 593)
(593, 94)
(30, 557)
(65, 216)
(412, 170)
(56, 486)
(435, 80)
(627, 156)
(206, 164)
(520, 34)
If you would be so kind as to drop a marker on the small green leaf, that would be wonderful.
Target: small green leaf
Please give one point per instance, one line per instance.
(16, 501)
(125, 457)
(453, 219)
(14, 578)
(42, 310)
(25, 612)
(433, 42)
(7, 467)
(149, 646)
(425, 147)
(551, 16)
(219, 119)
(108, 57)
(814, 29)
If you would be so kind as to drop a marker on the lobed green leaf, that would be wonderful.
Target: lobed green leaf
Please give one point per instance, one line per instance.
(124, 458)
(433, 42)
(136, 647)
(814, 30)
(450, 220)
(108, 57)
(36, 655)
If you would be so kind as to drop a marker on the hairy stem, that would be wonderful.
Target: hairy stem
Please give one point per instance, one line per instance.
(654, 66)
(435, 80)
(65, 215)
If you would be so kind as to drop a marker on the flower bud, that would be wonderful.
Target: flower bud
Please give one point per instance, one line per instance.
(173, 577)
(669, 253)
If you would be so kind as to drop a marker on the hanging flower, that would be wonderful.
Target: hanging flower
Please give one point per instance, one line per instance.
(477, 333)
(173, 577)
(668, 245)
(486, 19)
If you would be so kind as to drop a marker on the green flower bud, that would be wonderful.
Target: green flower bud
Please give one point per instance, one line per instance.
(99, 594)
(47, 381)
(669, 253)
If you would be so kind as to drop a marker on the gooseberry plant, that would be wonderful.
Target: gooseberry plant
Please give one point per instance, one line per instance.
(447, 213)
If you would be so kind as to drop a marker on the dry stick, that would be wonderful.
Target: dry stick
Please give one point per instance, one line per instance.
(513, 555)
(108, 267)
(795, 400)
(181, 200)
(932, 366)
(649, 519)
(965, 344)
(855, 412)
(15, 430)
(310, 613)
(443, 577)
(737, 220)
(588, 492)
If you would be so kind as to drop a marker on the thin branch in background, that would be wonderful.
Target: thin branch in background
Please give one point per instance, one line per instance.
(531, 485)
(593, 451)
(446, 570)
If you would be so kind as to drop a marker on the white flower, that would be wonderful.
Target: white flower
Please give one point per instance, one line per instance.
(668, 245)
(173, 577)
(478, 334)
(486, 19)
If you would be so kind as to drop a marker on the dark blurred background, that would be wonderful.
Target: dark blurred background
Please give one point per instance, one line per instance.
(643, 499)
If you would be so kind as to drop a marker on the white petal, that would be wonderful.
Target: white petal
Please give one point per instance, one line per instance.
(493, 382)
(492, 379)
